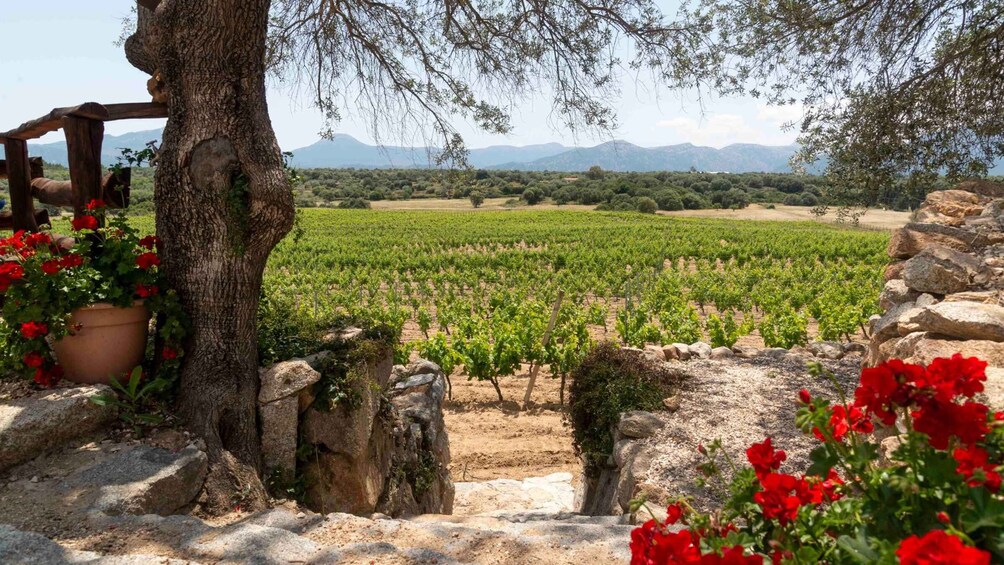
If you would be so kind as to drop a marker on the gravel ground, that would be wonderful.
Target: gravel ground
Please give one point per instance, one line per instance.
(739, 401)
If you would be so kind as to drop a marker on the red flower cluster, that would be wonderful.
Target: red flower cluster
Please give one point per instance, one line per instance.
(843, 420)
(96, 204)
(84, 223)
(146, 290)
(782, 495)
(34, 330)
(9, 273)
(146, 261)
(930, 394)
(150, 242)
(653, 544)
(168, 353)
(939, 547)
(48, 377)
(764, 458)
(974, 465)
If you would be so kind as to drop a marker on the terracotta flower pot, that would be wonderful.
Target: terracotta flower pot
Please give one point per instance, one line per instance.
(111, 341)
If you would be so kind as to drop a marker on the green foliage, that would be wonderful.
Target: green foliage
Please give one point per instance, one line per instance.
(607, 383)
(646, 205)
(477, 198)
(725, 331)
(136, 400)
(285, 330)
(784, 328)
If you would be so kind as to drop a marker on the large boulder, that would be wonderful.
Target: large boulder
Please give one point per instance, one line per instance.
(638, 424)
(285, 379)
(953, 203)
(961, 320)
(982, 187)
(914, 238)
(34, 425)
(924, 347)
(940, 270)
(143, 480)
(895, 293)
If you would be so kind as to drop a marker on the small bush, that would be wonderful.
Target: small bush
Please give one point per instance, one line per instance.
(609, 382)
(285, 331)
(647, 206)
(354, 203)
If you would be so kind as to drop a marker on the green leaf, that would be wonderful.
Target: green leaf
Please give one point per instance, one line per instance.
(858, 548)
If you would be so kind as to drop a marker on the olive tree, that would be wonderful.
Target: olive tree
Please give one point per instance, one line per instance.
(893, 90)
(222, 200)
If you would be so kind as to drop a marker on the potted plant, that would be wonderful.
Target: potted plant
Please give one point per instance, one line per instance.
(81, 308)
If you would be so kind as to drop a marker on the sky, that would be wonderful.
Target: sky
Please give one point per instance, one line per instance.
(66, 55)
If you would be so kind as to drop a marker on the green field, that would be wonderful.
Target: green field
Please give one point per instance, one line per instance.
(486, 280)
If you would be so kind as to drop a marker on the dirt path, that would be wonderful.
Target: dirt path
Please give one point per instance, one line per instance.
(489, 440)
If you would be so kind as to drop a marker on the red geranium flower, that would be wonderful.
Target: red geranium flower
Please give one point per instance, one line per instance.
(49, 377)
(150, 242)
(942, 420)
(651, 544)
(168, 353)
(34, 359)
(886, 387)
(34, 330)
(764, 458)
(10, 272)
(804, 397)
(955, 376)
(84, 223)
(36, 239)
(843, 420)
(96, 204)
(974, 465)
(735, 555)
(72, 260)
(939, 547)
(776, 499)
(147, 260)
(51, 267)
(146, 291)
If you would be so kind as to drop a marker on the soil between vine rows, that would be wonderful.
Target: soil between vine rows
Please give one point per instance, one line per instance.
(492, 440)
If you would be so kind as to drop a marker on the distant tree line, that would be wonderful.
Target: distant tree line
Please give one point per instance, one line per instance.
(607, 190)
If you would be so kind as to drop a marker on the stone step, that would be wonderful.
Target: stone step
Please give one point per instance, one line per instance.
(45, 421)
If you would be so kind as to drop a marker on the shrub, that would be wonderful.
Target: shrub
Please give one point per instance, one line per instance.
(936, 499)
(609, 382)
(477, 198)
(354, 203)
(646, 205)
(669, 200)
(533, 196)
(285, 331)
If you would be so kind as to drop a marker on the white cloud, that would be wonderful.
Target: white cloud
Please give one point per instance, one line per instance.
(718, 130)
(780, 115)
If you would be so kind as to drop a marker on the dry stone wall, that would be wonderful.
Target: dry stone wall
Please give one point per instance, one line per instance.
(944, 290)
(381, 448)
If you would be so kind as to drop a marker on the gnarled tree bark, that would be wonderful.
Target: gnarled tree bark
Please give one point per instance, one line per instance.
(222, 202)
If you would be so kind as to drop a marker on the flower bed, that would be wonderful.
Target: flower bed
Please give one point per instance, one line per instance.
(935, 498)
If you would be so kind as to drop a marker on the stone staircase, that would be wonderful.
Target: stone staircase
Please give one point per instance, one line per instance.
(283, 536)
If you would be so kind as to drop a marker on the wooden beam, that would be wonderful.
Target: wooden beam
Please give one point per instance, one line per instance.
(134, 111)
(7, 219)
(19, 182)
(54, 120)
(34, 163)
(83, 151)
(114, 190)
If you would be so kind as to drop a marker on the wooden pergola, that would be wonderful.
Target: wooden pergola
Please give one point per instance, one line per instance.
(84, 126)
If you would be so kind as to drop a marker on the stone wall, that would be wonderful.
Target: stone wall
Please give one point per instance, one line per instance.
(372, 440)
(944, 290)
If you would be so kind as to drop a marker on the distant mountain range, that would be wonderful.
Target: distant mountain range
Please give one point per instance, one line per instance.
(344, 151)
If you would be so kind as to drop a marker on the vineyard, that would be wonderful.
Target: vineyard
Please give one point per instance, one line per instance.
(476, 289)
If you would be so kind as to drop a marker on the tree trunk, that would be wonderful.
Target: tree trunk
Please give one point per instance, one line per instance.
(222, 202)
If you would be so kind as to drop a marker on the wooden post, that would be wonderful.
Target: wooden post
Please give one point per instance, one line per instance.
(544, 342)
(19, 180)
(83, 151)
